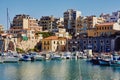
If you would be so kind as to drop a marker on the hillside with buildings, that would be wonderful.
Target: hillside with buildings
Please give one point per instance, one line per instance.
(48, 33)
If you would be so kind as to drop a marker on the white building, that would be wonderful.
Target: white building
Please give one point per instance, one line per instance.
(70, 20)
(62, 33)
(115, 17)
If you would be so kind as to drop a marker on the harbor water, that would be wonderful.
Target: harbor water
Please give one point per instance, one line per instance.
(58, 70)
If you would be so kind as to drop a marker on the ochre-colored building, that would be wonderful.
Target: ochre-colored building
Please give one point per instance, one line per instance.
(104, 29)
(53, 43)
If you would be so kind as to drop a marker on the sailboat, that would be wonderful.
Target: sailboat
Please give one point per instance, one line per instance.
(9, 56)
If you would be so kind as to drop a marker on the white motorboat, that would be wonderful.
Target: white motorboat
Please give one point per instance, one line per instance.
(10, 59)
(56, 57)
(68, 55)
(39, 57)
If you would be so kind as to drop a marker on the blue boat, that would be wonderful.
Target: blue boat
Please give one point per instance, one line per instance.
(105, 60)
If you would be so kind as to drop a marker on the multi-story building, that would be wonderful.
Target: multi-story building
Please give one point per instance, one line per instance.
(115, 17)
(97, 44)
(23, 21)
(87, 23)
(24, 24)
(73, 45)
(24, 29)
(47, 23)
(1, 29)
(70, 20)
(91, 21)
(105, 16)
(53, 43)
(104, 29)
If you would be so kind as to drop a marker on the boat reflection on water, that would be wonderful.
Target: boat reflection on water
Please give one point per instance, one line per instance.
(57, 70)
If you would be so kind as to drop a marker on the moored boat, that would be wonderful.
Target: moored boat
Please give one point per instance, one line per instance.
(38, 57)
(68, 55)
(95, 60)
(115, 60)
(10, 57)
(105, 60)
(56, 57)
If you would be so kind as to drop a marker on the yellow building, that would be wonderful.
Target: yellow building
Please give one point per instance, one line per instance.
(104, 29)
(53, 43)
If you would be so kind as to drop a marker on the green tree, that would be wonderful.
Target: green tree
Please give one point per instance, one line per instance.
(45, 34)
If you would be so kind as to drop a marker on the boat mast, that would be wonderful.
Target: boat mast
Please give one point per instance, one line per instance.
(7, 30)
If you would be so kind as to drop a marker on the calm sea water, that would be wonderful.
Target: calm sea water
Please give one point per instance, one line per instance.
(58, 70)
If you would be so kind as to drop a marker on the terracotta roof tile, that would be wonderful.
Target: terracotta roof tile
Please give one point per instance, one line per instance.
(54, 38)
(105, 24)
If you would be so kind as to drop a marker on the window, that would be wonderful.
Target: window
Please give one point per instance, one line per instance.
(44, 48)
(95, 47)
(110, 27)
(101, 41)
(48, 48)
(54, 42)
(48, 42)
(107, 41)
(84, 47)
(94, 41)
(44, 42)
(61, 42)
(102, 28)
(105, 28)
(84, 41)
(89, 41)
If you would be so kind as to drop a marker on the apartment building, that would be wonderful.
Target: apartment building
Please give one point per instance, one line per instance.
(70, 20)
(104, 29)
(115, 17)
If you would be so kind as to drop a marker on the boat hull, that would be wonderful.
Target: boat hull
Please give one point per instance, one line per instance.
(10, 59)
(104, 62)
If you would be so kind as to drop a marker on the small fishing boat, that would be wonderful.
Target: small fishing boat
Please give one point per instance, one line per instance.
(115, 60)
(25, 57)
(38, 57)
(68, 55)
(105, 60)
(56, 57)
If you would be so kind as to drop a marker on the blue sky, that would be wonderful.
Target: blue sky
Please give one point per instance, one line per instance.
(38, 8)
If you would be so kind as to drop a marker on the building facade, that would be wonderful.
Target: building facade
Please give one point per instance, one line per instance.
(24, 21)
(104, 29)
(62, 33)
(53, 44)
(70, 20)
(115, 17)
